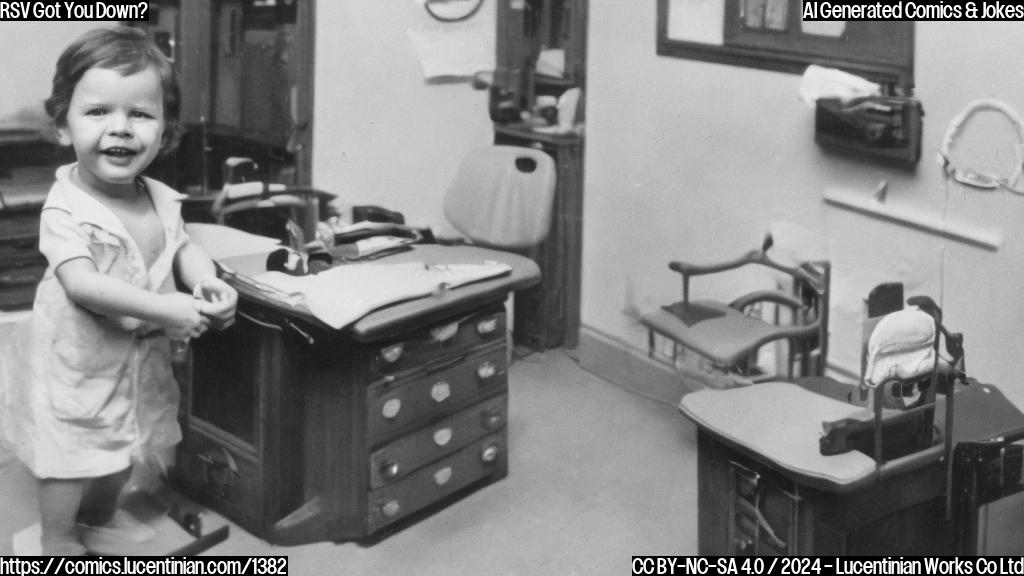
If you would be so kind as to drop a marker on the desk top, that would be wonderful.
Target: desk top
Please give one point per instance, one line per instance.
(779, 423)
(397, 318)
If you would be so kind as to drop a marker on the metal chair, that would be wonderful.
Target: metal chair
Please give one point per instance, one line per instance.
(729, 338)
(265, 208)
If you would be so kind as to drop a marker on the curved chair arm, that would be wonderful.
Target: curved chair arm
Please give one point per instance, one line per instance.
(234, 192)
(248, 195)
(766, 296)
(788, 332)
(279, 201)
(690, 269)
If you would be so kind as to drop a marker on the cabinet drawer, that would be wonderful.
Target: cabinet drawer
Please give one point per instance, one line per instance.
(394, 405)
(401, 457)
(223, 476)
(439, 340)
(485, 457)
(18, 281)
(20, 227)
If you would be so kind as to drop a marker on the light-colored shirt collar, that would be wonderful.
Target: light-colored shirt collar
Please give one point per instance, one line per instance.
(68, 196)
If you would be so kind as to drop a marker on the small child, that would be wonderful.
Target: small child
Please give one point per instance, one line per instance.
(100, 392)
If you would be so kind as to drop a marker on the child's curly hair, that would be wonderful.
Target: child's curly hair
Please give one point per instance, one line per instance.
(127, 50)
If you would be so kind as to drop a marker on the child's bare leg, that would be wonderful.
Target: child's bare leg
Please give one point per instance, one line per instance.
(59, 500)
(99, 502)
(100, 515)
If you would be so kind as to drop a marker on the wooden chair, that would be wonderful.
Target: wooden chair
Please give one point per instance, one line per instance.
(730, 338)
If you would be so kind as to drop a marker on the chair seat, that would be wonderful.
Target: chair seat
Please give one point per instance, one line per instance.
(713, 329)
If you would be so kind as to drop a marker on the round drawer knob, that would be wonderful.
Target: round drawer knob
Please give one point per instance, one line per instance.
(391, 408)
(391, 354)
(442, 476)
(492, 418)
(389, 469)
(486, 370)
(487, 326)
(391, 508)
(440, 391)
(489, 453)
(442, 436)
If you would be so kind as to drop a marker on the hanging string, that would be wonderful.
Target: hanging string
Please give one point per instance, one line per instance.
(457, 17)
(974, 178)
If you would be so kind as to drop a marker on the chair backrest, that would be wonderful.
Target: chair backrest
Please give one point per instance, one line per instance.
(503, 196)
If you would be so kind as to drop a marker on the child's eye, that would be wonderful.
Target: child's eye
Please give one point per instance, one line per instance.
(140, 114)
(95, 112)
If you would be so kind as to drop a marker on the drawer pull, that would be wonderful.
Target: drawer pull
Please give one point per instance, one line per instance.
(486, 326)
(440, 391)
(491, 418)
(391, 508)
(442, 436)
(391, 408)
(20, 278)
(442, 476)
(490, 453)
(389, 469)
(486, 371)
(446, 332)
(391, 354)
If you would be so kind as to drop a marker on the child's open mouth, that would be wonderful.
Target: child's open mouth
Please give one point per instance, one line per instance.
(119, 152)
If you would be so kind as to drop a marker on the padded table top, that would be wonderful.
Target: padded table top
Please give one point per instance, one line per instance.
(781, 422)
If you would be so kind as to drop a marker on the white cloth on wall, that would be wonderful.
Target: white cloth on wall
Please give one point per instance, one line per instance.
(820, 82)
(455, 49)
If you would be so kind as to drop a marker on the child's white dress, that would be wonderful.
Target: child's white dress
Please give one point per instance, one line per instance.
(99, 389)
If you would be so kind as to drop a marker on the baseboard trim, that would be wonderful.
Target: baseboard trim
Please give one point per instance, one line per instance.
(629, 368)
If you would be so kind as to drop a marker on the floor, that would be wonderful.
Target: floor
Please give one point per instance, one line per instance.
(596, 475)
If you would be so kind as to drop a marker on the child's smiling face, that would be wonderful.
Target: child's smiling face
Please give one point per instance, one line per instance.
(115, 124)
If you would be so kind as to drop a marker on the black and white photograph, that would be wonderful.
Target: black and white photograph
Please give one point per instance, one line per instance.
(511, 287)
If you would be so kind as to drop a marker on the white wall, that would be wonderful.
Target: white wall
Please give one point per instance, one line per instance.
(30, 51)
(688, 160)
(382, 133)
(695, 161)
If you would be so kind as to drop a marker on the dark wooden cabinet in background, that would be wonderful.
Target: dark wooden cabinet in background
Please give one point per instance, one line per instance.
(28, 161)
(548, 315)
(246, 74)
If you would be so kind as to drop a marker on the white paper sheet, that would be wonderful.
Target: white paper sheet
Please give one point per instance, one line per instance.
(455, 49)
(224, 242)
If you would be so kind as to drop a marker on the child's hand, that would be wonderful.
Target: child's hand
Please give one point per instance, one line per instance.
(183, 318)
(216, 300)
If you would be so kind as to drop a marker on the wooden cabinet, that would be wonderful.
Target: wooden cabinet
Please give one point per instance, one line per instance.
(21, 263)
(747, 507)
(548, 315)
(245, 69)
(28, 162)
(544, 42)
(541, 53)
(301, 434)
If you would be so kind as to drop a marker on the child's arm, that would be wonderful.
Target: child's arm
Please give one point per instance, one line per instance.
(195, 269)
(176, 312)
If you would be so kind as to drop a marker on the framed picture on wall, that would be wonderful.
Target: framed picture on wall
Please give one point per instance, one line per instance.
(772, 35)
